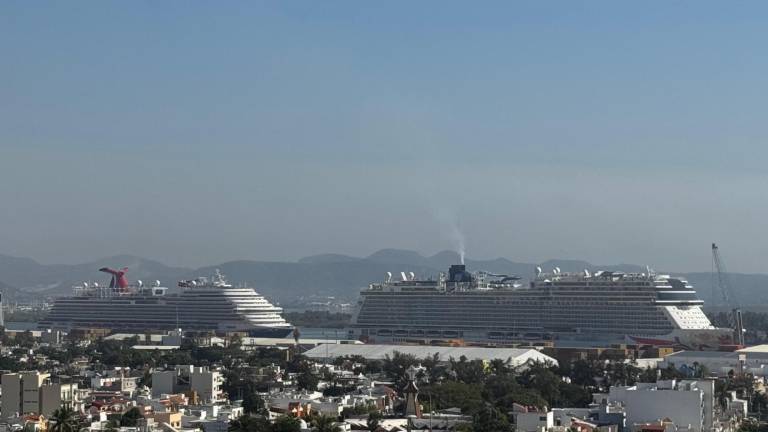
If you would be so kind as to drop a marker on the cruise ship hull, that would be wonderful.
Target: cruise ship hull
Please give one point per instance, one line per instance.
(557, 309)
(211, 308)
(681, 339)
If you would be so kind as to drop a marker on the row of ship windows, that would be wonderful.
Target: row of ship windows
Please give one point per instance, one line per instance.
(511, 293)
(395, 315)
(530, 313)
(536, 304)
(448, 321)
(611, 317)
(507, 311)
(210, 317)
(161, 303)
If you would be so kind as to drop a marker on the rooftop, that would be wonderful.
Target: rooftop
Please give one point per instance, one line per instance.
(379, 352)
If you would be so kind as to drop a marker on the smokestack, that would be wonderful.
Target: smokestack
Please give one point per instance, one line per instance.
(458, 273)
(118, 277)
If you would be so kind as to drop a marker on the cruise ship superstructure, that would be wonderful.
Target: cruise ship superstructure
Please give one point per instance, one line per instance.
(607, 307)
(204, 304)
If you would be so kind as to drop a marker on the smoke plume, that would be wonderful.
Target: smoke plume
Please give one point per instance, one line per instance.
(449, 224)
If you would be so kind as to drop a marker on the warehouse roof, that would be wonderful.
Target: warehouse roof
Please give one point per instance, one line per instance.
(701, 354)
(517, 356)
(755, 349)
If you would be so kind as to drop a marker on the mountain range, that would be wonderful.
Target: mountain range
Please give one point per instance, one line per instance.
(324, 275)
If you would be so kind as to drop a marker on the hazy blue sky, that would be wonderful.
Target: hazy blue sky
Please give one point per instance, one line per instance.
(196, 132)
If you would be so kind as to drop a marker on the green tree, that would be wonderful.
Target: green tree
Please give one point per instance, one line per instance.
(112, 426)
(306, 380)
(65, 419)
(451, 393)
(249, 423)
(470, 372)
(374, 418)
(500, 367)
(491, 419)
(506, 391)
(235, 342)
(760, 404)
(286, 424)
(324, 423)
(253, 403)
(131, 417)
(25, 339)
(583, 373)
(395, 367)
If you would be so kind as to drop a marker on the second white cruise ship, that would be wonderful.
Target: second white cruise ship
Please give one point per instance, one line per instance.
(601, 307)
(202, 305)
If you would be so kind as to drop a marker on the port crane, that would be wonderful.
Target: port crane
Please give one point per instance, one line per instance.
(734, 317)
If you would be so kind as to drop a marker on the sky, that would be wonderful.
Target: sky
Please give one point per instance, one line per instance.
(199, 132)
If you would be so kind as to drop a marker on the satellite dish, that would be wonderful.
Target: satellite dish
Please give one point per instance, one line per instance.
(586, 273)
(538, 270)
(139, 283)
(157, 283)
(557, 270)
(413, 275)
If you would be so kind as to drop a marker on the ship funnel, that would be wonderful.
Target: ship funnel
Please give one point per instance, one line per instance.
(118, 277)
(458, 273)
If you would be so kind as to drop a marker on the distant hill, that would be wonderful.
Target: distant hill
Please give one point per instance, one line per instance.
(287, 281)
(9, 293)
(328, 258)
(33, 278)
(341, 276)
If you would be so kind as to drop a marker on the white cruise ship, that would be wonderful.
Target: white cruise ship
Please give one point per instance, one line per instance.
(600, 308)
(202, 305)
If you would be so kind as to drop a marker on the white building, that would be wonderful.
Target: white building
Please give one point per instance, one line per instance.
(527, 420)
(688, 404)
(204, 382)
(34, 392)
(54, 395)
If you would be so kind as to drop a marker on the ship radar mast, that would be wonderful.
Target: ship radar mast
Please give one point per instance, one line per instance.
(219, 280)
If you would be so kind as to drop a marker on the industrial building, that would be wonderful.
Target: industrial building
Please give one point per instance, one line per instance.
(752, 360)
(517, 356)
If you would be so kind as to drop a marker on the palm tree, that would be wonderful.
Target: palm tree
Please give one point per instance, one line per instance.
(249, 423)
(500, 367)
(129, 418)
(112, 426)
(64, 420)
(373, 421)
(240, 424)
(326, 424)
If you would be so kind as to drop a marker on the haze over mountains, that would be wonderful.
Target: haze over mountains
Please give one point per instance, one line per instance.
(336, 275)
